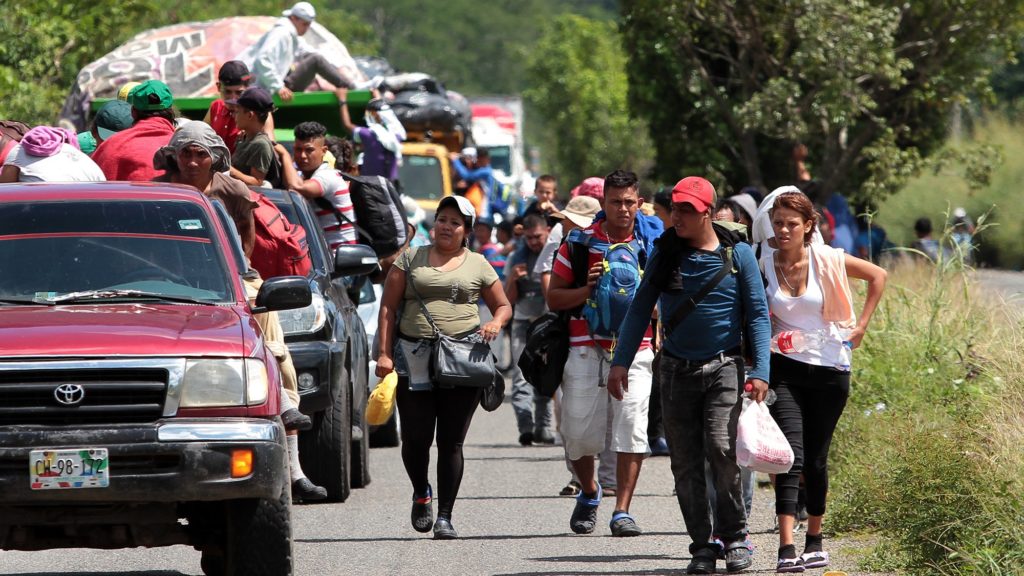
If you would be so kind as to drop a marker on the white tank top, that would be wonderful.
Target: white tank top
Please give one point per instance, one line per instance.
(804, 313)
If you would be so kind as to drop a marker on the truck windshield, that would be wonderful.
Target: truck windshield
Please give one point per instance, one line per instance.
(421, 177)
(52, 249)
(501, 159)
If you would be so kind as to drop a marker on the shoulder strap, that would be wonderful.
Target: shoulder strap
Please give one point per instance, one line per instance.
(408, 280)
(690, 305)
(325, 204)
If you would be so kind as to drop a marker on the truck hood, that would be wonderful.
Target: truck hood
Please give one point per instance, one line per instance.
(122, 330)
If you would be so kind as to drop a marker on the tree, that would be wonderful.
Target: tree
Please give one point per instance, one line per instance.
(729, 87)
(577, 78)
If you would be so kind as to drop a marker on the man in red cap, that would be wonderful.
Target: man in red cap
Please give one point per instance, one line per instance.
(710, 289)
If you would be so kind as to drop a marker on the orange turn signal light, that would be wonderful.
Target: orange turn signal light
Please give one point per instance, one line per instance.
(241, 463)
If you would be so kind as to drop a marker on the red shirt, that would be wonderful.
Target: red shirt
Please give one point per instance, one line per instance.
(579, 332)
(223, 123)
(128, 155)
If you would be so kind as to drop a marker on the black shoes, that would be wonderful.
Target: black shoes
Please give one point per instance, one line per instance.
(526, 438)
(423, 511)
(295, 420)
(544, 437)
(703, 562)
(303, 490)
(443, 529)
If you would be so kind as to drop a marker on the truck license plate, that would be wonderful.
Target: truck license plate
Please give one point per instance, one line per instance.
(69, 468)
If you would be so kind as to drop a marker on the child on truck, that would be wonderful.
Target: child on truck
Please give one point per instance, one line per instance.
(254, 161)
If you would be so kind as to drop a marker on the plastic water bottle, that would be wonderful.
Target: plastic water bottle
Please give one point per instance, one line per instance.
(794, 341)
(846, 352)
(769, 399)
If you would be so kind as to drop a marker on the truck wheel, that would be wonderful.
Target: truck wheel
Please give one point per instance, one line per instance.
(386, 435)
(360, 441)
(324, 450)
(259, 537)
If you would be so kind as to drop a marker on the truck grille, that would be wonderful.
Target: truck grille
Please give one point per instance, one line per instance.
(82, 396)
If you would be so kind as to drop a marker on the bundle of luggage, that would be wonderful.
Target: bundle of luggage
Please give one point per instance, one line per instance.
(422, 104)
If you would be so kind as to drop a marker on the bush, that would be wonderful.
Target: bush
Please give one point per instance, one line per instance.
(928, 453)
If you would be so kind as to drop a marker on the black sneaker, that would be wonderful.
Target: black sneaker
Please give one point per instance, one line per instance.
(423, 511)
(295, 420)
(526, 438)
(584, 515)
(443, 529)
(303, 490)
(703, 562)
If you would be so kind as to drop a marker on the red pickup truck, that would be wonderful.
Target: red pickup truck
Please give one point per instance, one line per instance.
(138, 403)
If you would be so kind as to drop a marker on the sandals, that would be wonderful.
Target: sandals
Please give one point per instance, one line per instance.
(814, 559)
(790, 565)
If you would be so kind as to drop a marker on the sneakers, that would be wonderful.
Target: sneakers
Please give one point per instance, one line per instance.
(584, 514)
(813, 560)
(623, 525)
(295, 420)
(303, 490)
(443, 529)
(423, 512)
(703, 562)
(571, 489)
(737, 556)
(659, 447)
(526, 439)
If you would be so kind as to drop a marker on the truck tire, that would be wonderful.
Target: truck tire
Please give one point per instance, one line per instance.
(259, 537)
(386, 435)
(324, 450)
(360, 437)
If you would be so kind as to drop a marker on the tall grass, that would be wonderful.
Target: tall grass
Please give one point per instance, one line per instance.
(928, 454)
(930, 195)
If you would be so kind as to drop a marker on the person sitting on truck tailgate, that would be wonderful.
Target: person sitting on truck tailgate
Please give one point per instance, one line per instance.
(254, 161)
(232, 80)
(283, 63)
(381, 142)
(320, 180)
(128, 155)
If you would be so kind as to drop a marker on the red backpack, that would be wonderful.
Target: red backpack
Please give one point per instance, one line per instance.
(281, 248)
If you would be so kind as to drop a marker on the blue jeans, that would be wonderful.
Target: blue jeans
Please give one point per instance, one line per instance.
(701, 408)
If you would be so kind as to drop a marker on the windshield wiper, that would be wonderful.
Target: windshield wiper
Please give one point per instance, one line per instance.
(19, 302)
(89, 295)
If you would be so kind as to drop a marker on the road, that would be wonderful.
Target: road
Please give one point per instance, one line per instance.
(510, 518)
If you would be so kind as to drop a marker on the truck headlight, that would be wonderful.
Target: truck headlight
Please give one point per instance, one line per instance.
(304, 320)
(256, 385)
(211, 383)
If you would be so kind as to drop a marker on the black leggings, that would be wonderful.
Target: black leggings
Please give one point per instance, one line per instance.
(451, 409)
(810, 401)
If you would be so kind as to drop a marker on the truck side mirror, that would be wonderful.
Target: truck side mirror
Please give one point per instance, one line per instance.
(354, 260)
(283, 293)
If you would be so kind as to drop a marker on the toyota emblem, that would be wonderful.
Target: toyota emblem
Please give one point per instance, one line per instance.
(69, 394)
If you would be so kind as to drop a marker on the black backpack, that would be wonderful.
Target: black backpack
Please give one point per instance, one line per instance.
(380, 216)
(547, 339)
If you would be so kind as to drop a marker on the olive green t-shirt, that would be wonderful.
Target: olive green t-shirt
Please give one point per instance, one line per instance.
(451, 297)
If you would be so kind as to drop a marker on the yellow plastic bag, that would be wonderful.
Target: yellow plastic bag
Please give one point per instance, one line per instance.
(381, 403)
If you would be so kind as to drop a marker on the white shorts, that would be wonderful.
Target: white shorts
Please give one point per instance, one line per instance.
(585, 404)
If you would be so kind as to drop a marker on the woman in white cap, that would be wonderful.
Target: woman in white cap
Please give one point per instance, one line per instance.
(443, 280)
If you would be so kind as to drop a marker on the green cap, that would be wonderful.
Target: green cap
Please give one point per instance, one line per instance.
(150, 96)
(113, 117)
(86, 142)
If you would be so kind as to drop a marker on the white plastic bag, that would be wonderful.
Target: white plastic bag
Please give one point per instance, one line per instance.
(760, 444)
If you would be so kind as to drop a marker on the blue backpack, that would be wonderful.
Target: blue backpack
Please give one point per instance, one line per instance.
(622, 271)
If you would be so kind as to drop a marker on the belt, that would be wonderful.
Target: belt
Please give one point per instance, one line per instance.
(720, 357)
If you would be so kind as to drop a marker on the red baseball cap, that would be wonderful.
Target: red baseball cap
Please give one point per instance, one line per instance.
(695, 191)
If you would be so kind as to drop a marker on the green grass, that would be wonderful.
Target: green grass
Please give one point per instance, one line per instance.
(933, 194)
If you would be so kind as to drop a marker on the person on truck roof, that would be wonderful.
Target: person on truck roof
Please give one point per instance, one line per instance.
(283, 63)
(381, 138)
(320, 180)
(128, 155)
(232, 80)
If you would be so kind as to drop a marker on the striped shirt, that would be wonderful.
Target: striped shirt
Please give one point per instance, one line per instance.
(337, 231)
(579, 331)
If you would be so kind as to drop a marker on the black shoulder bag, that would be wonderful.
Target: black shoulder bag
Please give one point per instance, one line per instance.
(464, 362)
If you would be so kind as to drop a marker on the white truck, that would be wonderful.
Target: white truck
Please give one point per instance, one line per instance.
(498, 126)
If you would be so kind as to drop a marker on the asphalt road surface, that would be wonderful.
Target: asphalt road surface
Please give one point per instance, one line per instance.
(510, 518)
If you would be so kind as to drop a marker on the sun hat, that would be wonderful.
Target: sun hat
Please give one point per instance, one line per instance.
(580, 211)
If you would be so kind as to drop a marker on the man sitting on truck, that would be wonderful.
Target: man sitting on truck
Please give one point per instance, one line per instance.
(320, 180)
(283, 63)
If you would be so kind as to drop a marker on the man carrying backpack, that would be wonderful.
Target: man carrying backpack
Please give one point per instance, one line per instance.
(577, 276)
(710, 288)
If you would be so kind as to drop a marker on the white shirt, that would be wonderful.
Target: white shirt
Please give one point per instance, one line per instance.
(802, 313)
(272, 56)
(68, 165)
(546, 260)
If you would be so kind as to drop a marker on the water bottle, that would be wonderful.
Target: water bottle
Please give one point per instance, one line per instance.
(794, 341)
(769, 399)
(846, 352)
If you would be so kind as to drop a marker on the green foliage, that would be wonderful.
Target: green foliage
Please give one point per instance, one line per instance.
(577, 77)
(927, 453)
(729, 87)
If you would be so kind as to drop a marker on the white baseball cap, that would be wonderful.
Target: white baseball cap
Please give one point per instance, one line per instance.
(460, 203)
(302, 11)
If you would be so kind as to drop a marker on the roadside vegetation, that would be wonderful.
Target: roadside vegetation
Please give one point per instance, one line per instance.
(928, 454)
